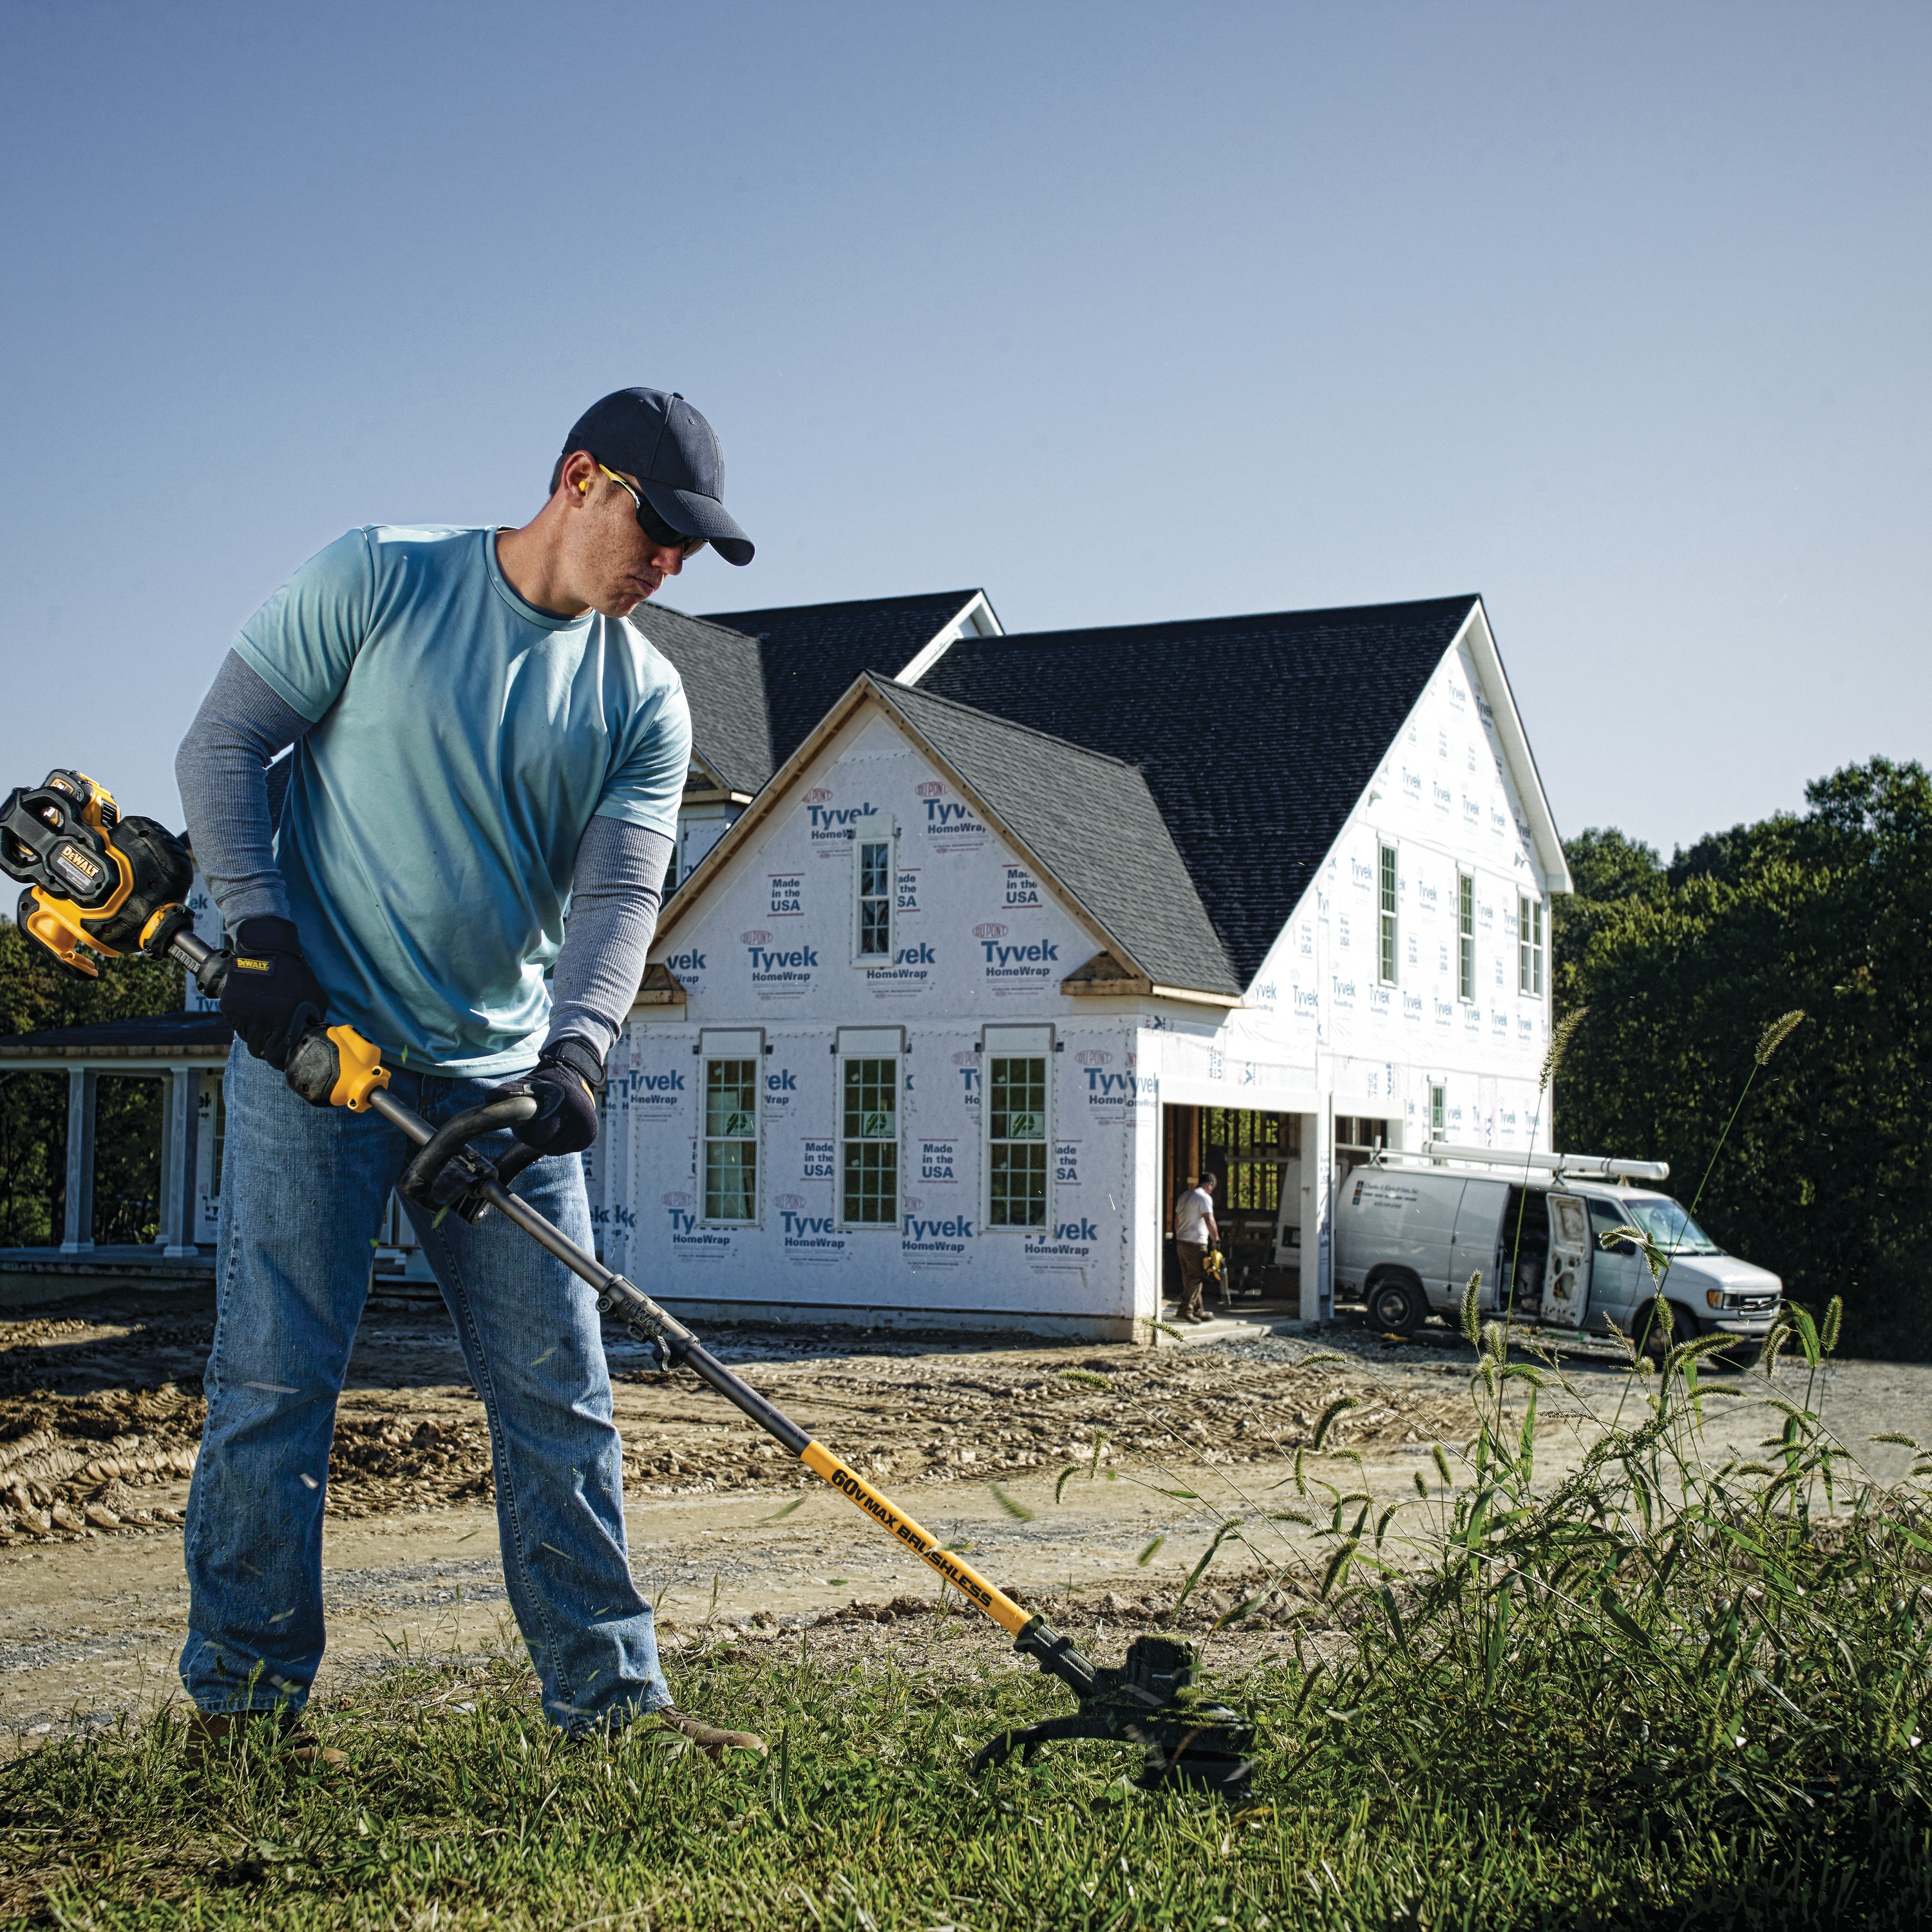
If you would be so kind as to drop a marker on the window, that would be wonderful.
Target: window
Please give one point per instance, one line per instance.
(670, 885)
(1016, 1068)
(1249, 1149)
(869, 1136)
(734, 1063)
(1529, 945)
(1388, 920)
(873, 882)
(731, 1140)
(1465, 937)
(1437, 1109)
(1018, 1148)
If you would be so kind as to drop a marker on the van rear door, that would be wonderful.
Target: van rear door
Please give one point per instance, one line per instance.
(1566, 1286)
(1479, 1228)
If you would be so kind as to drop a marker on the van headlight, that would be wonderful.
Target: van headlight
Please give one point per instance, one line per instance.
(1718, 1297)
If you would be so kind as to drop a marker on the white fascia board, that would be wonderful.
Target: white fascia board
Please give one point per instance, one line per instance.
(975, 619)
(1480, 642)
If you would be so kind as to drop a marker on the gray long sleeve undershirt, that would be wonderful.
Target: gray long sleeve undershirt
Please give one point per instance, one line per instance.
(222, 769)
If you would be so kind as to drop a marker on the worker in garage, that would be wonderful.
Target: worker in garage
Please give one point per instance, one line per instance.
(1195, 1233)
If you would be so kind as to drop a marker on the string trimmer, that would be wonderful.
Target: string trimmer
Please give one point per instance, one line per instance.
(97, 880)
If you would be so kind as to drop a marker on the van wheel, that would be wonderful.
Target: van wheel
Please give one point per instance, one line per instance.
(1653, 1343)
(1396, 1306)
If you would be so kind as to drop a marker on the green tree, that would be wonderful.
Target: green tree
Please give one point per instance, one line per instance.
(1827, 1177)
(37, 993)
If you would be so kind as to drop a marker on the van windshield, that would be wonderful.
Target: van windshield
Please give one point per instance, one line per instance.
(1668, 1226)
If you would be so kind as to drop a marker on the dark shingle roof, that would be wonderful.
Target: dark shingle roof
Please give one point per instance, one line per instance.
(158, 1033)
(1256, 735)
(1091, 822)
(812, 652)
(725, 686)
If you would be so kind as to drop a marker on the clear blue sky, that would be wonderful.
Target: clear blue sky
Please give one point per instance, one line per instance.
(1617, 315)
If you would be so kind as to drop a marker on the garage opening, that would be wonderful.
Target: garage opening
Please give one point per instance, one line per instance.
(1257, 1155)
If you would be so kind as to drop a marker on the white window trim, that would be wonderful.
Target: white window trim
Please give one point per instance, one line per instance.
(733, 1043)
(1465, 878)
(1017, 1042)
(852, 1043)
(1390, 953)
(1531, 974)
(871, 831)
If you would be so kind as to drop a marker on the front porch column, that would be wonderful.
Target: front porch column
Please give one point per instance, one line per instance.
(78, 1237)
(181, 1132)
(1317, 1195)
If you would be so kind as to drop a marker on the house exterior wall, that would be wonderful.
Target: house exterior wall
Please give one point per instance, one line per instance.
(1443, 800)
(979, 940)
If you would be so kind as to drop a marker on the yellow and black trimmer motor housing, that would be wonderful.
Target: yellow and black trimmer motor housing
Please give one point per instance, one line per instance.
(96, 882)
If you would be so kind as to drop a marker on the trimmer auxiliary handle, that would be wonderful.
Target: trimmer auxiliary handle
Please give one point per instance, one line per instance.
(110, 884)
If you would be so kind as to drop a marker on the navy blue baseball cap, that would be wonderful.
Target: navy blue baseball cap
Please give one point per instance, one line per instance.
(674, 454)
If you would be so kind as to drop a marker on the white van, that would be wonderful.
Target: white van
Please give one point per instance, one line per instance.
(1408, 1237)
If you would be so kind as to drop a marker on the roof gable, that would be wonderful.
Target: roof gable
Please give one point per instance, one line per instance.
(1091, 825)
(1087, 822)
(1256, 736)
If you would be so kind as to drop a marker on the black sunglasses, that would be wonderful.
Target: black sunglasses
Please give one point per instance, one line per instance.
(652, 525)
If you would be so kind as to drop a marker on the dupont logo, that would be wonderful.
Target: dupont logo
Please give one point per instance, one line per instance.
(1093, 1056)
(757, 936)
(932, 788)
(790, 1203)
(675, 1200)
(818, 795)
(991, 930)
(914, 1204)
(968, 1058)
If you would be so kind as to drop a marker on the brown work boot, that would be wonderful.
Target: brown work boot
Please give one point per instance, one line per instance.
(211, 1735)
(707, 1738)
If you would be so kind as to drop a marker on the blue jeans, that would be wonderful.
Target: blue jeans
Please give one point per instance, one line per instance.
(303, 1191)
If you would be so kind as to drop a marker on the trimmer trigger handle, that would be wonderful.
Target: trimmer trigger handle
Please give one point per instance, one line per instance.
(336, 1067)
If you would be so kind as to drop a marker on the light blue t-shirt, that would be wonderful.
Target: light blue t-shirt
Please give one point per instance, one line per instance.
(462, 741)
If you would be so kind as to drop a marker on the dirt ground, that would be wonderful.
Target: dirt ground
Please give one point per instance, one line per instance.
(101, 1412)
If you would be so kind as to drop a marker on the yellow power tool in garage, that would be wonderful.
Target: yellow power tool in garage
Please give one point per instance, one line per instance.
(95, 881)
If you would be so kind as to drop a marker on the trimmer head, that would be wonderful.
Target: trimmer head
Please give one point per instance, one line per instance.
(1184, 1743)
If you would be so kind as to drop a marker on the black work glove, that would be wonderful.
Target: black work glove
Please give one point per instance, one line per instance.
(566, 1083)
(271, 998)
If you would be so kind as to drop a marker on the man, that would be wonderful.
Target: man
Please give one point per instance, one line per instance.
(1194, 1231)
(481, 740)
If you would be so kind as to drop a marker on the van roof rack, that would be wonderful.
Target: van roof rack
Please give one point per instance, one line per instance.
(1559, 1166)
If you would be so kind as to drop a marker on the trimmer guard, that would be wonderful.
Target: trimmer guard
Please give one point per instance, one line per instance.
(1184, 1744)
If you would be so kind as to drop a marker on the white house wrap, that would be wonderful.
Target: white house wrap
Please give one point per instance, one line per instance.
(917, 1024)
